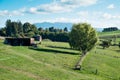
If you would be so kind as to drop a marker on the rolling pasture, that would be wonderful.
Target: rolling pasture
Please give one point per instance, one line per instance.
(56, 60)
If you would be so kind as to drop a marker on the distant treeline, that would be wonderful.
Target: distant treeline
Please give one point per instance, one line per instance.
(110, 29)
(17, 29)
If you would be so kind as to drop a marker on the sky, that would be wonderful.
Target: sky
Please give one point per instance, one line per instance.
(98, 13)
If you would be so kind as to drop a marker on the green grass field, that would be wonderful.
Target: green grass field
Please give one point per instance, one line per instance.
(55, 61)
(109, 33)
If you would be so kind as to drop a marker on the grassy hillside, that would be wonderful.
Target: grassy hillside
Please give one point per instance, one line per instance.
(109, 33)
(55, 61)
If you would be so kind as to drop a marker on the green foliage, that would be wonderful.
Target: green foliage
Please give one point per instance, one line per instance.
(54, 34)
(65, 29)
(105, 43)
(30, 34)
(59, 36)
(110, 29)
(3, 32)
(83, 37)
(17, 29)
(13, 29)
(8, 28)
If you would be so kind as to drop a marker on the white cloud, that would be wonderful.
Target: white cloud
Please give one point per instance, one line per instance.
(111, 6)
(16, 13)
(60, 6)
(83, 13)
(51, 8)
(33, 10)
(4, 12)
(107, 16)
(12, 13)
(78, 2)
(110, 16)
(62, 19)
(57, 6)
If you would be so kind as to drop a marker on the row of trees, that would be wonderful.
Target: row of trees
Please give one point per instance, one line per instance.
(17, 29)
(52, 29)
(110, 29)
(54, 34)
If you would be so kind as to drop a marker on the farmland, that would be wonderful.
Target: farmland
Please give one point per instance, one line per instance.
(55, 61)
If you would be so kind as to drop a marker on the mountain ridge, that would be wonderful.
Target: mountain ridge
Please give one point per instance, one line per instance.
(60, 25)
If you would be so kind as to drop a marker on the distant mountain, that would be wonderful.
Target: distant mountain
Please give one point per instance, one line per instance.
(60, 25)
(56, 25)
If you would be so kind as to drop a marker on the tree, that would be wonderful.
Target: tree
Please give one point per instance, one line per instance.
(29, 29)
(20, 29)
(8, 28)
(106, 43)
(65, 29)
(82, 37)
(51, 29)
(34, 29)
(14, 29)
(26, 27)
(3, 31)
(40, 29)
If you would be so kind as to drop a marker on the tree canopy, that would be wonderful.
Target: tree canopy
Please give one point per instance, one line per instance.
(17, 29)
(82, 37)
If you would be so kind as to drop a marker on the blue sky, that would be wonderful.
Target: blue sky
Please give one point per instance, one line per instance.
(99, 13)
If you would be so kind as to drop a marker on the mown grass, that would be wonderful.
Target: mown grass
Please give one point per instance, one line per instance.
(55, 61)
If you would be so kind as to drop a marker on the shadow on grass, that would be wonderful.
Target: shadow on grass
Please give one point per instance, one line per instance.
(117, 51)
(54, 51)
(59, 47)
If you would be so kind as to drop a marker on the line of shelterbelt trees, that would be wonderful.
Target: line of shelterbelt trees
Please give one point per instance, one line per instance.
(110, 29)
(19, 30)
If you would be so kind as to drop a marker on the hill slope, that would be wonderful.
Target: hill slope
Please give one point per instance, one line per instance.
(109, 33)
(55, 60)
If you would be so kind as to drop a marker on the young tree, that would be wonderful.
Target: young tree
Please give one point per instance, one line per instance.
(65, 29)
(20, 29)
(106, 43)
(82, 37)
(8, 28)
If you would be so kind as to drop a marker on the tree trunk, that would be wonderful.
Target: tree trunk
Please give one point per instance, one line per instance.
(79, 63)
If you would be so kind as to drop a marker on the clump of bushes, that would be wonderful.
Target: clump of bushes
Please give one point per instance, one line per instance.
(105, 43)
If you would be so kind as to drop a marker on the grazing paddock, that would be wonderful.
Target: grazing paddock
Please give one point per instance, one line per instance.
(55, 61)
